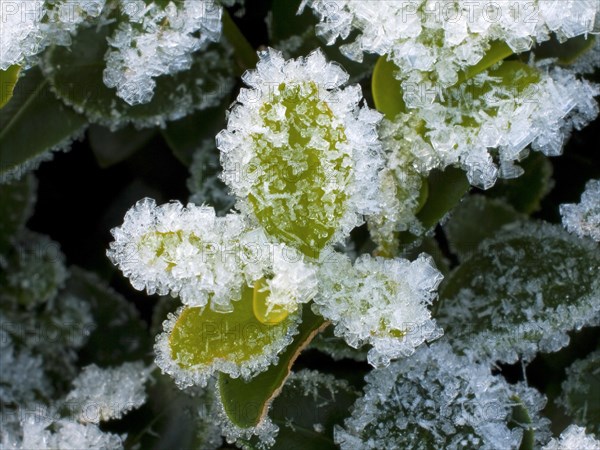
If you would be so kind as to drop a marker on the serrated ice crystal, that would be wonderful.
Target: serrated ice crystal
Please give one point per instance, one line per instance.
(380, 302)
(583, 218)
(573, 438)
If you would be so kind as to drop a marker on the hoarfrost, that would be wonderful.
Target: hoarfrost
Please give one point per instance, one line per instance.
(573, 438)
(102, 394)
(28, 27)
(155, 41)
(381, 302)
(297, 144)
(191, 253)
(437, 399)
(441, 37)
(578, 392)
(583, 219)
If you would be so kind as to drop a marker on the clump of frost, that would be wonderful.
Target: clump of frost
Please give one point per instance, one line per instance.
(191, 253)
(296, 127)
(28, 27)
(157, 40)
(578, 392)
(573, 438)
(440, 38)
(437, 399)
(589, 61)
(40, 432)
(381, 302)
(583, 219)
(104, 394)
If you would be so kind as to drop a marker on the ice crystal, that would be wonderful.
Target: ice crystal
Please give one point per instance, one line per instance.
(28, 27)
(579, 391)
(573, 438)
(381, 302)
(583, 219)
(191, 253)
(157, 39)
(441, 37)
(436, 399)
(589, 61)
(45, 433)
(521, 292)
(104, 394)
(300, 153)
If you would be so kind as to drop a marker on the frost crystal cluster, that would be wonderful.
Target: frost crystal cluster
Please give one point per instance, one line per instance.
(441, 37)
(381, 302)
(103, 394)
(298, 145)
(436, 399)
(158, 38)
(191, 253)
(573, 438)
(28, 27)
(583, 218)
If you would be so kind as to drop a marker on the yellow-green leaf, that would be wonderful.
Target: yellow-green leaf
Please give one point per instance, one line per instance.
(8, 80)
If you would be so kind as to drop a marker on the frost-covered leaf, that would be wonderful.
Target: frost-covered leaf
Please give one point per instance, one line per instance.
(380, 302)
(583, 219)
(34, 123)
(197, 342)
(526, 192)
(573, 438)
(300, 153)
(245, 403)
(33, 271)
(120, 334)
(8, 80)
(521, 292)
(99, 394)
(76, 75)
(112, 147)
(16, 206)
(475, 219)
(204, 259)
(580, 392)
(436, 399)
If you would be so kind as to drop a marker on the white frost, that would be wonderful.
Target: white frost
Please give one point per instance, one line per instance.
(583, 219)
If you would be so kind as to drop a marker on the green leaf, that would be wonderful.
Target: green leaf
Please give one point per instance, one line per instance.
(520, 418)
(8, 80)
(245, 55)
(566, 52)
(16, 206)
(521, 292)
(76, 75)
(388, 92)
(581, 391)
(475, 219)
(120, 335)
(336, 347)
(525, 193)
(246, 403)
(201, 341)
(112, 147)
(33, 122)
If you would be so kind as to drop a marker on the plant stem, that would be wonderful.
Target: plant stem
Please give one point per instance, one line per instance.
(245, 55)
